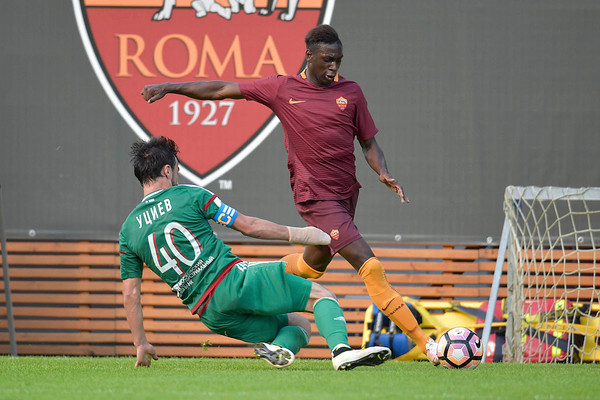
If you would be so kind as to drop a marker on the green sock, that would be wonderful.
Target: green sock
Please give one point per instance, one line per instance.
(330, 321)
(292, 338)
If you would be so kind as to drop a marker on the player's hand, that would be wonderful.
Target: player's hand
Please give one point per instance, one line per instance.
(308, 235)
(153, 93)
(391, 183)
(145, 354)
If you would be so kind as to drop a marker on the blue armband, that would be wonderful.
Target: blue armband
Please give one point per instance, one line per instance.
(226, 215)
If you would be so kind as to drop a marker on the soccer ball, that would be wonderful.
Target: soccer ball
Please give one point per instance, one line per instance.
(460, 348)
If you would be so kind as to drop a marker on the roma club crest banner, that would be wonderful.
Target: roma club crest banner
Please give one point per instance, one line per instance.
(132, 43)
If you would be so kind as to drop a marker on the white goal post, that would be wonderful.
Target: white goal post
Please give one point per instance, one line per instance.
(551, 240)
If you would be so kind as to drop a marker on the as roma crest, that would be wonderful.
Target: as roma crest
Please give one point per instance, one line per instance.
(342, 103)
(132, 43)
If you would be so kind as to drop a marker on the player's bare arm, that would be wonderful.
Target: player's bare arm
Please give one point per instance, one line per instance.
(263, 229)
(376, 160)
(200, 90)
(133, 309)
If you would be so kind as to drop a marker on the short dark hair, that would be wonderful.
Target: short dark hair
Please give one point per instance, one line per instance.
(321, 34)
(148, 158)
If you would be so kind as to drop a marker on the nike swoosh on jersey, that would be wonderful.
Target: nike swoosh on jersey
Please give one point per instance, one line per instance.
(296, 101)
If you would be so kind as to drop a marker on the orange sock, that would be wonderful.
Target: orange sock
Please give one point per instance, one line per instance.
(297, 266)
(390, 302)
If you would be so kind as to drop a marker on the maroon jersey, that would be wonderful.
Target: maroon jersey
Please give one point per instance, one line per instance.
(320, 124)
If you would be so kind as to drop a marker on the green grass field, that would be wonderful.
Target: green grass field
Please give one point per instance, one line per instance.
(195, 378)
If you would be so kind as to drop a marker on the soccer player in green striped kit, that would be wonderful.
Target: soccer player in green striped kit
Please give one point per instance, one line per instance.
(169, 231)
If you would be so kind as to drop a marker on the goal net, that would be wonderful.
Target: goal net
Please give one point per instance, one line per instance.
(553, 307)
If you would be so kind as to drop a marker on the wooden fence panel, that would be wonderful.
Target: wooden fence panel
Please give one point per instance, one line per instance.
(67, 296)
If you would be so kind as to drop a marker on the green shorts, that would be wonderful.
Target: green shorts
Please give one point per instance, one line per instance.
(252, 302)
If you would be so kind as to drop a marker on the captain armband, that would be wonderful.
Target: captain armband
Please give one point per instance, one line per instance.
(226, 215)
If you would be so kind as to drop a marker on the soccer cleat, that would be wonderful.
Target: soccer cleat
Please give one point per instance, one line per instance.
(277, 356)
(432, 352)
(370, 356)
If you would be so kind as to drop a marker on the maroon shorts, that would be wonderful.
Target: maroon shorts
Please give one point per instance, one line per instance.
(335, 217)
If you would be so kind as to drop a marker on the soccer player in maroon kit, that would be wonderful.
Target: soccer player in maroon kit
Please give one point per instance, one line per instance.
(321, 113)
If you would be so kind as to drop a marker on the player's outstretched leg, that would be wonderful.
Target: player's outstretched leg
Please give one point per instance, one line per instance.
(391, 304)
(296, 265)
(277, 356)
(330, 322)
(371, 356)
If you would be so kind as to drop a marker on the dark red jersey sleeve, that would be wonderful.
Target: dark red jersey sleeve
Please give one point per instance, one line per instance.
(363, 120)
(262, 90)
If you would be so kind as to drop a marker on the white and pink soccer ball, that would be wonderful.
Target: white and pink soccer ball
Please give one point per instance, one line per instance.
(460, 348)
